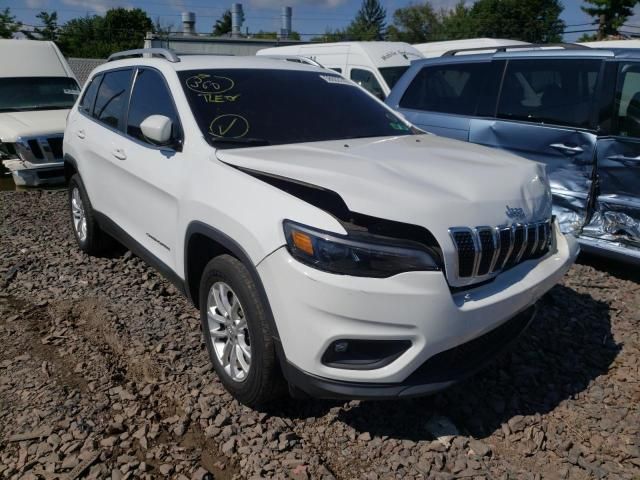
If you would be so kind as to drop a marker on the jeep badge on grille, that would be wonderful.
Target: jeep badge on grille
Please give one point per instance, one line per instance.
(515, 213)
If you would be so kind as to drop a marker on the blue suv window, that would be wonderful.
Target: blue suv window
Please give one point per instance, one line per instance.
(550, 91)
(456, 88)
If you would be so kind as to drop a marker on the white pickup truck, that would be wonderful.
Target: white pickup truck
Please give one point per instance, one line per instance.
(37, 89)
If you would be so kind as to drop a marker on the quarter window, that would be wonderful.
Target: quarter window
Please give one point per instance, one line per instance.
(458, 89)
(89, 97)
(367, 80)
(150, 96)
(112, 98)
(553, 91)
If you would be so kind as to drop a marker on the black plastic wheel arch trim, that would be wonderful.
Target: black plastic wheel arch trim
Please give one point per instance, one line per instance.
(197, 227)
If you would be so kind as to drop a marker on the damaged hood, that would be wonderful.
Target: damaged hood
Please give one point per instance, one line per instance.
(30, 124)
(424, 180)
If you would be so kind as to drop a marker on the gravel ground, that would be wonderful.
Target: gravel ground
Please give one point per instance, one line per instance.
(103, 374)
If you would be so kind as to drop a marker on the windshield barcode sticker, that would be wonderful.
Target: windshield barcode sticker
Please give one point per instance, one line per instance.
(336, 79)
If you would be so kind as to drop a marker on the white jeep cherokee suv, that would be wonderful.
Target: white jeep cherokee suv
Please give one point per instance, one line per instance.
(325, 241)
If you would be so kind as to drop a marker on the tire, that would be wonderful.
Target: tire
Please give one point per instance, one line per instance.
(243, 324)
(90, 238)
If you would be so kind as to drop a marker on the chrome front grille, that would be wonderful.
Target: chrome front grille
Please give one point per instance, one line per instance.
(484, 251)
(40, 149)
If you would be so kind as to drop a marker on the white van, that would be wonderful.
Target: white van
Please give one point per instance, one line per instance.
(631, 43)
(376, 66)
(437, 49)
(37, 89)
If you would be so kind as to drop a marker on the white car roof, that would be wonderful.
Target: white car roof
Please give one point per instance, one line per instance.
(206, 62)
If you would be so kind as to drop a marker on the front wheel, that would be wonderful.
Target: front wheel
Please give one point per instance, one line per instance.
(89, 236)
(237, 333)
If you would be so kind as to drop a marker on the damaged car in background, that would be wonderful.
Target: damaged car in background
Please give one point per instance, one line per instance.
(326, 241)
(37, 89)
(574, 109)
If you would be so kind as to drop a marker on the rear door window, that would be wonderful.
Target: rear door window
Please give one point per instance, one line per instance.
(111, 100)
(627, 104)
(461, 89)
(89, 97)
(367, 80)
(550, 91)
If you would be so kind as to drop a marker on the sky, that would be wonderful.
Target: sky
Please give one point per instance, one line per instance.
(310, 17)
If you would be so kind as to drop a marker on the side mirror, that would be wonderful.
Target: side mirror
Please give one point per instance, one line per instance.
(157, 128)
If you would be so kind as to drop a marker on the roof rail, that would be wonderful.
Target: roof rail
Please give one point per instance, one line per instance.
(504, 48)
(296, 59)
(165, 53)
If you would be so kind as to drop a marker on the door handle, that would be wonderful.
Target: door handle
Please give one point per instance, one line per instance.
(624, 159)
(119, 154)
(569, 150)
(81, 134)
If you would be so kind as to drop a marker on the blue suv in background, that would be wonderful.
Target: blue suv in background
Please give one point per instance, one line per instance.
(575, 110)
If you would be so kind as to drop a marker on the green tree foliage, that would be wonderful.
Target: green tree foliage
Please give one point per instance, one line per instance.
(48, 28)
(369, 23)
(223, 24)
(416, 23)
(8, 24)
(610, 15)
(536, 21)
(98, 37)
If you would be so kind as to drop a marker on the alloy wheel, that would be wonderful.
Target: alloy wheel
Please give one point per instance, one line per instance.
(78, 213)
(228, 331)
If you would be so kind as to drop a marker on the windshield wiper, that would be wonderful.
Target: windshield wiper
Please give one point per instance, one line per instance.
(254, 142)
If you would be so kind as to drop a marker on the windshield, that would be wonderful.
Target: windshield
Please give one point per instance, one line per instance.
(392, 74)
(22, 94)
(247, 107)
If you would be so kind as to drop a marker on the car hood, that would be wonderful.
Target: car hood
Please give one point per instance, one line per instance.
(30, 124)
(420, 179)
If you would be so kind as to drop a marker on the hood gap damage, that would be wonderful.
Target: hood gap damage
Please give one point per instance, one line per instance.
(355, 223)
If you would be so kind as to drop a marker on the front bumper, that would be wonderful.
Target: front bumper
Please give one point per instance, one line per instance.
(35, 174)
(312, 309)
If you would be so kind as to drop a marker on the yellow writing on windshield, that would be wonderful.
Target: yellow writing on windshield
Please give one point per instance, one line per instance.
(229, 125)
(218, 98)
(212, 84)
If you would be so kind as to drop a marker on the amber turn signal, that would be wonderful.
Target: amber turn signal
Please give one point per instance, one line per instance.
(302, 241)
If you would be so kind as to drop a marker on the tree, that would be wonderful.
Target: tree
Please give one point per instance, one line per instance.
(49, 29)
(536, 21)
(369, 23)
(8, 24)
(98, 37)
(415, 24)
(223, 24)
(610, 15)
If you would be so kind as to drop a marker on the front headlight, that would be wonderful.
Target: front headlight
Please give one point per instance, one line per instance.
(363, 255)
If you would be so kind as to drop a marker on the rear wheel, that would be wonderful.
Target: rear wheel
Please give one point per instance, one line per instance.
(90, 238)
(237, 333)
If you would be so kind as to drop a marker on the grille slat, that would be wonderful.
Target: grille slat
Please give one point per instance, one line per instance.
(35, 149)
(55, 143)
(487, 249)
(484, 251)
(466, 251)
